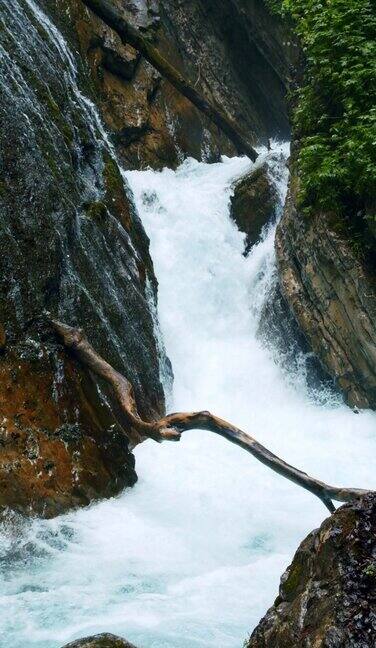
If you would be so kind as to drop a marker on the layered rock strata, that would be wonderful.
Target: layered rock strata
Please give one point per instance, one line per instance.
(332, 296)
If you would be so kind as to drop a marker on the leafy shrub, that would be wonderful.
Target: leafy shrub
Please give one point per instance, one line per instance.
(335, 115)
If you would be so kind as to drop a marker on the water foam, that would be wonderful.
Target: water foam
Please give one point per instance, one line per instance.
(191, 557)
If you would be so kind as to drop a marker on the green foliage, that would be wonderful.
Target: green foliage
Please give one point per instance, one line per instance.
(274, 6)
(370, 570)
(335, 115)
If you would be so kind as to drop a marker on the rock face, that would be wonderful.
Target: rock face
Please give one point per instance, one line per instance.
(327, 596)
(333, 298)
(254, 204)
(234, 51)
(101, 641)
(281, 333)
(70, 243)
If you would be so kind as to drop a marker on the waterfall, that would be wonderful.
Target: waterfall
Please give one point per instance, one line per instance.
(191, 557)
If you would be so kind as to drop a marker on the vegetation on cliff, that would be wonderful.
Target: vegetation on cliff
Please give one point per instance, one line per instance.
(335, 107)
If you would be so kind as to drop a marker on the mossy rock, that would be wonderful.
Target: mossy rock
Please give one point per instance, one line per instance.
(112, 177)
(97, 211)
(293, 578)
(327, 595)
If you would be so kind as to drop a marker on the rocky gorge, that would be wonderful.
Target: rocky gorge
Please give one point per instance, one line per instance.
(68, 185)
(75, 113)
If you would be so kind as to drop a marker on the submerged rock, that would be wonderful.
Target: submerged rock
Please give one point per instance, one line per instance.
(254, 204)
(280, 331)
(332, 296)
(100, 641)
(327, 596)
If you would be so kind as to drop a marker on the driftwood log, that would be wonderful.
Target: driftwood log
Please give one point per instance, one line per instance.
(106, 10)
(170, 427)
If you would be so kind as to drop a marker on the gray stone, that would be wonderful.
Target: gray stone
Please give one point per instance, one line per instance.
(104, 640)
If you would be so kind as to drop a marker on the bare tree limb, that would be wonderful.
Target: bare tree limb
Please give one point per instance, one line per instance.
(105, 10)
(172, 426)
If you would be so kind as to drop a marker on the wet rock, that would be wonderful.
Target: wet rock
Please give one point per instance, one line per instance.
(242, 64)
(71, 243)
(254, 204)
(280, 332)
(332, 296)
(241, 47)
(48, 464)
(100, 641)
(327, 595)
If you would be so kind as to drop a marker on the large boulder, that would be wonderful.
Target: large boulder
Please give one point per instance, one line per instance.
(254, 204)
(101, 641)
(327, 596)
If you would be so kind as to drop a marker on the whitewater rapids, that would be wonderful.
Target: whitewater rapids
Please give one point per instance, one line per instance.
(191, 557)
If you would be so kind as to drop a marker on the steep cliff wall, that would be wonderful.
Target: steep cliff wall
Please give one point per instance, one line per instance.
(71, 243)
(325, 241)
(332, 295)
(235, 52)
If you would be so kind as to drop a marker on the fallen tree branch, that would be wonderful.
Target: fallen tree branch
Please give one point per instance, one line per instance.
(105, 10)
(172, 426)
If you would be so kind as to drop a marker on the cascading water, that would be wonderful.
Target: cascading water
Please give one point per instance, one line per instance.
(192, 555)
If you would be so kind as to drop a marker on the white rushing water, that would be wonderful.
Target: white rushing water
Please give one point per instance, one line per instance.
(191, 557)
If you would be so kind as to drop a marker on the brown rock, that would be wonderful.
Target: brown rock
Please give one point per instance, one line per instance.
(100, 641)
(242, 63)
(327, 596)
(253, 204)
(3, 337)
(59, 447)
(333, 298)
